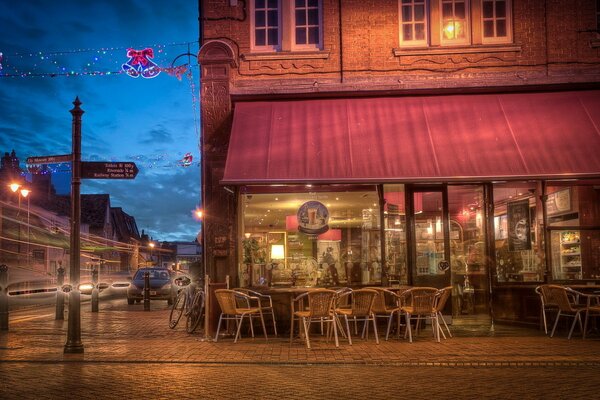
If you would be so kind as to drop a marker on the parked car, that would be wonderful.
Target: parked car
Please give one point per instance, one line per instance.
(160, 285)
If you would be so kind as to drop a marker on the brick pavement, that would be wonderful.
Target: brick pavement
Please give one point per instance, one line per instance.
(132, 353)
(128, 334)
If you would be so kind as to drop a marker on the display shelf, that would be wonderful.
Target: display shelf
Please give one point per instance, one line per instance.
(567, 264)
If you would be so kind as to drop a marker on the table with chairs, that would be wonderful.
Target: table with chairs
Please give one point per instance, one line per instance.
(568, 302)
(337, 310)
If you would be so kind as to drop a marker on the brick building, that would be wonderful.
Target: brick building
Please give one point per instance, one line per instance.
(426, 142)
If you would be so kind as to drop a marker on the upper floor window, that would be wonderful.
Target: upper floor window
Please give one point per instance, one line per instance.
(413, 22)
(286, 25)
(266, 22)
(455, 28)
(454, 22)
(496, 21)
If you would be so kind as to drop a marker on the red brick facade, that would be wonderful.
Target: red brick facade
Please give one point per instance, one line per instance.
(553, 42)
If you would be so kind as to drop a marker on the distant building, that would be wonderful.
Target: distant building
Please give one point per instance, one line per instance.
(34, 231)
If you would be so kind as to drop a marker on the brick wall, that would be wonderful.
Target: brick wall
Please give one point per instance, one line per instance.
(552, 49)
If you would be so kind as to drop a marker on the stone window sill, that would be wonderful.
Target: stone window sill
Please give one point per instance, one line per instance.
(432, 51)
(595, 43)
(286, 55)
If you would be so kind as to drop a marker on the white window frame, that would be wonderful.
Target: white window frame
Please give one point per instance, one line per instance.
(508, 18)
(427, 12)
(467, 28)
(292, 27)
(265, 48)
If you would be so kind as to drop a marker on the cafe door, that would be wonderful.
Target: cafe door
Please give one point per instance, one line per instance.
(447, 247)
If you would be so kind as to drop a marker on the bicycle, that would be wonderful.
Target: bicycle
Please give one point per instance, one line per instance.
(189, 301)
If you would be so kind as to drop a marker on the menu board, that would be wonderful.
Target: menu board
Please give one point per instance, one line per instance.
(519, 233)
(559, 202)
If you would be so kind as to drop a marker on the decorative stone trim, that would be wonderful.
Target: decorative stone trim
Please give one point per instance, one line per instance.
(430, 51)
(595, 43)
(293, 55)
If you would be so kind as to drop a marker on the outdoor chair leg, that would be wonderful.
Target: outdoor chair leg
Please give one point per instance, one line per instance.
(239, 326)
(389, 326)
(372, 318)
(408, 328)
(306, 325)
(274, 323)
(335, 334)
(446, 325)
(575, 319)
(218, 327)
(544, 319)
(555, 324)
(348, 329)
(587, 314)
(292, 329)
(262, 321)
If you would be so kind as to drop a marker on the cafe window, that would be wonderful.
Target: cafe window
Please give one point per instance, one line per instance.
(395, 233)
(574, 221)
(310, 237)
(518, 232)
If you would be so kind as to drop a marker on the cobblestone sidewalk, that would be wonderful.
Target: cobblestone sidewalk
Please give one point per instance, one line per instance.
(132, 335)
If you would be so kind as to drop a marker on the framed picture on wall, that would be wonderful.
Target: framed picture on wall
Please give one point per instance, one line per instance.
(559, 202)
(519, 226)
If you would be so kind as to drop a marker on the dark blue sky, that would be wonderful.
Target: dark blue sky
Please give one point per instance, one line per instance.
(153, 122)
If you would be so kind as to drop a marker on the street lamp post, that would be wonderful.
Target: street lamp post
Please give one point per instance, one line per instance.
(24, 193)
(74, 344)
(151, 244)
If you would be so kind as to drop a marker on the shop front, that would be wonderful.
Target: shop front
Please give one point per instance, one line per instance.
(491, 194)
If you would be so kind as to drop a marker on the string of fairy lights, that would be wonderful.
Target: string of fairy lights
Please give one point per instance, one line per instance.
(144, 62)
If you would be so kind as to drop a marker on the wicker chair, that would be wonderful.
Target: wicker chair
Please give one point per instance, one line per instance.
(592, 309)
(231, 309)
(543, 292)
(420, 303)
(266, 303)
(361, 309)
(320, 308)
(442, 298)
(386, 304)
(566, 302)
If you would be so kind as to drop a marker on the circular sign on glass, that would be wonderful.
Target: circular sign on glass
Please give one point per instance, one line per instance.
(313, 218)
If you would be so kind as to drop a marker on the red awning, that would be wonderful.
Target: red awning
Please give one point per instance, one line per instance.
(415, 139)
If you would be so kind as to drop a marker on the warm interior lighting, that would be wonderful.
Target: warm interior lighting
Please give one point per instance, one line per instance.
(438, 225)
(151, 244)
(277, 252)
(14, 187)
(247, 235)
(25, 192)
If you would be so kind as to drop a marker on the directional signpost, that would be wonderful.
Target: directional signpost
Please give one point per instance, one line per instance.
(81, 170)
(108, 170)
(50, 159)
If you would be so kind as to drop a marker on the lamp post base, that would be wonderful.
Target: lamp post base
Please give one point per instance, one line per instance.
(73, 348)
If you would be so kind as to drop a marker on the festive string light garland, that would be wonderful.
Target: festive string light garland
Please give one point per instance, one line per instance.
(11, 64)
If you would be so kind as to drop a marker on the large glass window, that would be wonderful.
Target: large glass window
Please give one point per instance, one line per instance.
(310, 237)
(518, 223)
(573, 221)
(395, 234)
